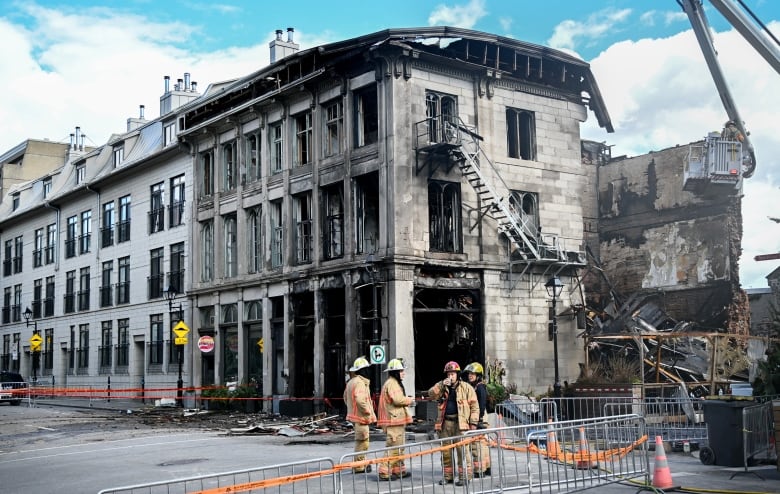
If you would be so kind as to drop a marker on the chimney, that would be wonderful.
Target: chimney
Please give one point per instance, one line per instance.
(183, 92)
(281, 48)
(78, 137)
(134, 123)
(167, 79)
(72, 139)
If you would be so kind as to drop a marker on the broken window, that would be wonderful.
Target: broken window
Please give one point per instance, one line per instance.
(253, 158)
(334, 121)
(253, 326)
(229, 166)
(231, 245)
(333, 221)
(275, 138)
(303, 227)
(303, 139)
(521, 134)
(444, 220)
(255, 247)
(206, 174)
(367, 213)
(366, 116)
(525, 206)
(277, 233)
(441, 110)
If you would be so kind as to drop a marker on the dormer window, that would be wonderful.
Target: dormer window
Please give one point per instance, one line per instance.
(15, 198)
(81, 173)
(46, 187)
(169, 134)
(119, 155)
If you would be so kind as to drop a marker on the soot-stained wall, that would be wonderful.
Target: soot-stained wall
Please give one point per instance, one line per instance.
(653, 236)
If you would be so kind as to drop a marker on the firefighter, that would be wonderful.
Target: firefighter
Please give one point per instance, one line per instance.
(458, 413)
(730, 132)
(479, 450)
(360, 409)
(394, 414)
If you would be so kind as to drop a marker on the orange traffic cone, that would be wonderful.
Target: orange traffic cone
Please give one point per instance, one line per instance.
(662, 477)
(584, 460)
(552, 443)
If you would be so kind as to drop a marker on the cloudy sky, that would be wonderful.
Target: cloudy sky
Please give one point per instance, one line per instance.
(92, 64)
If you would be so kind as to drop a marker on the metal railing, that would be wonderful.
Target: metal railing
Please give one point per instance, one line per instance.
(557, 457)
(757, 434)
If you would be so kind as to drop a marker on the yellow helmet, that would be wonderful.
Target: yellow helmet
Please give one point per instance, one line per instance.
(397, 364)
(360, 363)
(476, 368)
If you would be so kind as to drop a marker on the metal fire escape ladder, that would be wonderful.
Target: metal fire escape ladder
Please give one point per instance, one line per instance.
(494, 193)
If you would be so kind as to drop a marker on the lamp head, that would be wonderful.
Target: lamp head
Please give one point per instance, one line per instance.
(554, 287)
(27, 314)
(170, 293)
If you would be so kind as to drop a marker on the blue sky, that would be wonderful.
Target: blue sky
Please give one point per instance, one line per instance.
(93, 63)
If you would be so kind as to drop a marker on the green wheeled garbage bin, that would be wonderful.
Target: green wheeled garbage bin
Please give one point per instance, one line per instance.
(724, 431)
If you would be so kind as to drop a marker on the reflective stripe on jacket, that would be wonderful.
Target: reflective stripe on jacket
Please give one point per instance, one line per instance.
(357, 397)
(468, 408)
(393, 405)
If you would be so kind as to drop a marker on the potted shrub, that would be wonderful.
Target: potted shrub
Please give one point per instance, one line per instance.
(215, 398)
(243, 398)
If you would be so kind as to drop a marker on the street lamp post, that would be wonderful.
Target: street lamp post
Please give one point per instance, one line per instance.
(554, 288)
(170, 294)
(376, 337)
(35, 349)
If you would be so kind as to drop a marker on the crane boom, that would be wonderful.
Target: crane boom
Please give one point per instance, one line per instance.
(701, 28)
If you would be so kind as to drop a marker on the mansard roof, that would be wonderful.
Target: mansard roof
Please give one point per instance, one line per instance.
(486, 54)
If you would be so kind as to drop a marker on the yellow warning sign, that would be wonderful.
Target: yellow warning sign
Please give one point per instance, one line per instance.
(261, 345)
(181, 330)
(35, 342)
(180, 340)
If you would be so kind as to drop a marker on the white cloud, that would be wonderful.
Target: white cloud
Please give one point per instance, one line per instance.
(465, 16)
(568, 33)
(506, 23)
(660, 93)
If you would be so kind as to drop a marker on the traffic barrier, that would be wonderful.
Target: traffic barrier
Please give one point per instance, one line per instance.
(662, 476)
(757, 431)
(516, 464)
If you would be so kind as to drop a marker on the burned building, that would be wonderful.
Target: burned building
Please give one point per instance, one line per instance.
(659, 237)
(408, 191)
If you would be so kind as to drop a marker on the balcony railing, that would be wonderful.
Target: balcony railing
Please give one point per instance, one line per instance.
(123, 231)
(85, 242)
(70, 248)
(48, 306)
(176, 214)
(123, 293)
(106, 296)
(38, 258)
(70, 303)
(156, 286)
(84, 300)
(106, 237)
(156, 220)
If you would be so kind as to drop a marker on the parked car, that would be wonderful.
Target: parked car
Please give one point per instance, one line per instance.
(12, 387)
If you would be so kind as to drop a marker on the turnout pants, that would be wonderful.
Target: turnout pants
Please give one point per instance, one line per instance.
(450, 429)
(396, 437)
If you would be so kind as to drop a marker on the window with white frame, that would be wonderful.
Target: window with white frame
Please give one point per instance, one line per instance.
(303, 139)
(277, 233)
(229, 166)
(119, 155)
(276, 149)
(441, 111)
(366, 116)
(231, 245)
(334, 128)
(255, 247)
(169, 134)
(177, 201)
(303, 227)
(46, 187)
(81, 173)
(253, 158)
(521, 134)
(85, 240)
(207, 255)
(157, 207)
(206, 185)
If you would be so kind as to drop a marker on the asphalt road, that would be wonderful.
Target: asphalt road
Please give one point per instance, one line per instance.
(55, 449)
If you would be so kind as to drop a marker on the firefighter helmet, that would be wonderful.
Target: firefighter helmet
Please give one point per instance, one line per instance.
(360, 363)
(451, 366)
(476, 368)
(397, 364)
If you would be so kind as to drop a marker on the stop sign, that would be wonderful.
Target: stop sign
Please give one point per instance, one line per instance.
(206, 343)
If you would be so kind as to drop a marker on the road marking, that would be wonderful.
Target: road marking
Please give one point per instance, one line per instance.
(40, 427)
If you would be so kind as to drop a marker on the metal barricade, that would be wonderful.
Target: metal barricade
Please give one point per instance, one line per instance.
(573, 455)
(315, 475)
(676, 420)
(757, 429)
